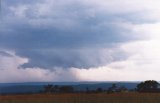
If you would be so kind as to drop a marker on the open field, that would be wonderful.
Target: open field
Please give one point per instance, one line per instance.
(82, 98)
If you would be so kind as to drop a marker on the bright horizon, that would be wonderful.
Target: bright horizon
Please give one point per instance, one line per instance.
(79, 40)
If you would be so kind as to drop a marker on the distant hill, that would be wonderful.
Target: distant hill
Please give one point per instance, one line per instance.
(36, 87)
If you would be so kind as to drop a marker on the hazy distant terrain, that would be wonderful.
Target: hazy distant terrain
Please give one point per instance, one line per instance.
(16, 88)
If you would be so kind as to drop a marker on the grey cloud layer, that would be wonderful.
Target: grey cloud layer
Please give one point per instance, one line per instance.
(81, 58)
(57, 33)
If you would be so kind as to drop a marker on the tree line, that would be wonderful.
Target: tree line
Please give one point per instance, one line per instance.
(146, 86)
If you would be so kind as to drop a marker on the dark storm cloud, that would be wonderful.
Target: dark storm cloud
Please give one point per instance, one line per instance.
(57, 35)
(29, 38)
(82, 58)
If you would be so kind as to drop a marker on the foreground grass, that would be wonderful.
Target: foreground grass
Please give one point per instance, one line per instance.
(82, 98)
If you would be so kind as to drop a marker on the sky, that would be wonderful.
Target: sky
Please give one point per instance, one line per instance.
(79, 40)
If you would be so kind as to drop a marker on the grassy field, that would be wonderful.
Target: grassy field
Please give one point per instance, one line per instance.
(82, 98)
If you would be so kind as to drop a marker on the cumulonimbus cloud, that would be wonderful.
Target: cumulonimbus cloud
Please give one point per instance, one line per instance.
(56, 33)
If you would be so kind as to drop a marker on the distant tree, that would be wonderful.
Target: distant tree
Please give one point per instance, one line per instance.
(87, 90)
(48, 88)
(99, 90)
(114, 86)
(56, 89)
(112, 89)
(149, 85)
(122, 89)
(66, 89)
